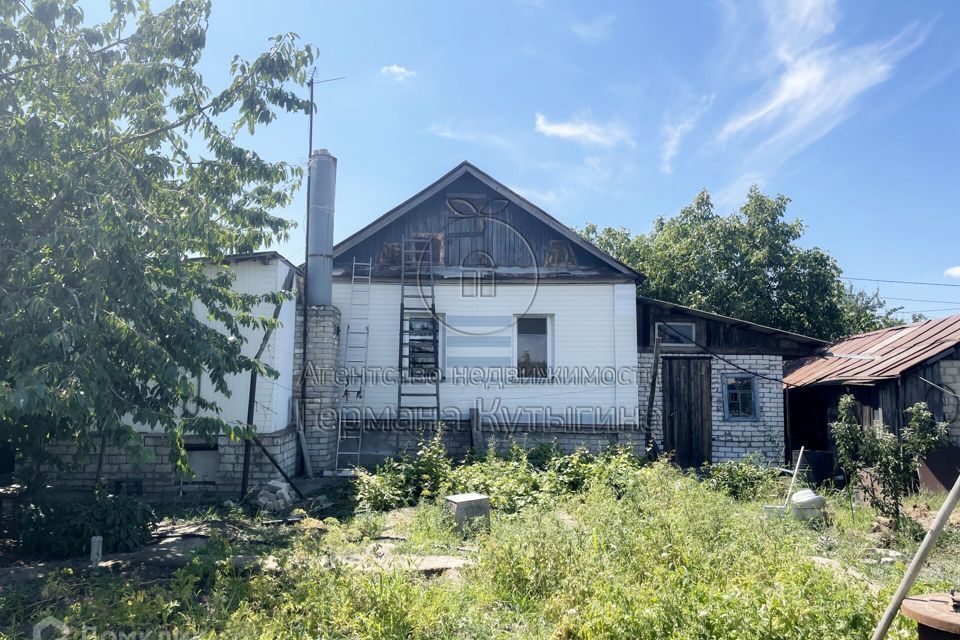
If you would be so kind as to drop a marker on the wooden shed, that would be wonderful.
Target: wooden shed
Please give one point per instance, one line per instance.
(887, 371)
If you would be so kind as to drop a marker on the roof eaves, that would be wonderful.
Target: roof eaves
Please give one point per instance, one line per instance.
(734, 321)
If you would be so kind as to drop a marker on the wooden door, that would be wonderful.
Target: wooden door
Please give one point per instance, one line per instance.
(686, 409)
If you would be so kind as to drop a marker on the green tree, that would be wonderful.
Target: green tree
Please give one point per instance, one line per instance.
(117, 163)
(863, 312)
(882, 463)
(748, 265)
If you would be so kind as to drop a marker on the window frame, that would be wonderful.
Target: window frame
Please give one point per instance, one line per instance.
(441, 340)
(516, 346)
(726, 397)
(693, 333)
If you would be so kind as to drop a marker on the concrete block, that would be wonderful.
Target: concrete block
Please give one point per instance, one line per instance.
(96, 551)
(469, 509)
(276, 485)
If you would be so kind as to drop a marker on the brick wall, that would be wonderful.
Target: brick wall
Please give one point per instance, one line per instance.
(150, 464)
(732, 439)
(321, 397)
(379, 443)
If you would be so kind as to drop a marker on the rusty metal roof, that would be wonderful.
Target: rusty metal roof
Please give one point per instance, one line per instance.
(879, 355)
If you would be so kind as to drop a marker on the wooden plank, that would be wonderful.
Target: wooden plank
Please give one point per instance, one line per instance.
(687, 409)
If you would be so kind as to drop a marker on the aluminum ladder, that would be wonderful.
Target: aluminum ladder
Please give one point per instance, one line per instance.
(418, 370)
(355, 351)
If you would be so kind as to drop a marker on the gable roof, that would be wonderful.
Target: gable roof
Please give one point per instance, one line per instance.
(514, 197)
(736, 322)
(879, 355)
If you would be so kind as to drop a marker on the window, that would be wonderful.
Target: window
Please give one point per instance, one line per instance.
(389, 254)
(740, 397)
(423, 353)
(532, 348)
(560, 254)
(436, 248)
(677, 333)
(204, 459)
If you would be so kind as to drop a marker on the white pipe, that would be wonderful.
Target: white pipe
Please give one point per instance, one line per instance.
(793, 480)
(918, 561)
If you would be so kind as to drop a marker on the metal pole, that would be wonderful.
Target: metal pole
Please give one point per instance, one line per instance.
(651, 442)
(918, 561)
(306, 257)
(279, 468)
(251, 403)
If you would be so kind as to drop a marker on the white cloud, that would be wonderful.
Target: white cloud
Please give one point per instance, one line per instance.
(468, 134)
(584, 131)
(544, 198)
(596, 30)
(734, 194)
(813, 80)
(952, 272)
(397, 72)
(675, 130)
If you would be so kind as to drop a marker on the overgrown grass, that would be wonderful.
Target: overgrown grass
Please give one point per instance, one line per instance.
(639, 551)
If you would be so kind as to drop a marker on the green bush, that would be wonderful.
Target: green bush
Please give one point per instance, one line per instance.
(63, 529)
(883, 463)
(404, 481)
(518, 479)
(747, 479)
(511, 481)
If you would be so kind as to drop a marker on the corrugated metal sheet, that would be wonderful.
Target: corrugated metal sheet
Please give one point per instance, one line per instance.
(878, 355)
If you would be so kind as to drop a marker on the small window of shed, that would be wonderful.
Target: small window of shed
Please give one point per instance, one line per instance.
(677, 333)
(740, 397)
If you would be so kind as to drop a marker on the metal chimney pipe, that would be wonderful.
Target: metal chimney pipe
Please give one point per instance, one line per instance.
(323, 189)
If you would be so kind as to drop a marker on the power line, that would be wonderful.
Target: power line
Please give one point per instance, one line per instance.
(957, 302)
(927, 284)
(930, 310)
(721, 358)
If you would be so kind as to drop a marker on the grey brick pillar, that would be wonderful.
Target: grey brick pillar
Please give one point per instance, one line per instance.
(320, 392)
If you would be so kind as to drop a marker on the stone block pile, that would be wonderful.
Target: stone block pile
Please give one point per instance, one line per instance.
(275, 496)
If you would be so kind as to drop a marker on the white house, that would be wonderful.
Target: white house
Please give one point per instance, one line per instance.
(467, 306)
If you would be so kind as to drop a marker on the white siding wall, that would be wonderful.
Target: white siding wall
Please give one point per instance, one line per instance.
(592, 330)
(273, 395)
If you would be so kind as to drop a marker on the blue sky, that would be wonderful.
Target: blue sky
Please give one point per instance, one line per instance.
(616, 113)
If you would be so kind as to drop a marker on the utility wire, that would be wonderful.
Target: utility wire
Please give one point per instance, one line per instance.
(720, 357)
(928, 310)
(928, 284)
(936, 386)
(957, 302)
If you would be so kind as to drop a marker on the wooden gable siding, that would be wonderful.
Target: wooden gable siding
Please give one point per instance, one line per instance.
(517, 244)
(716, 335)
